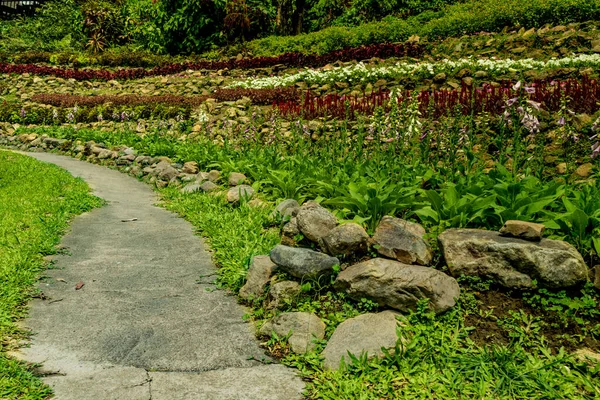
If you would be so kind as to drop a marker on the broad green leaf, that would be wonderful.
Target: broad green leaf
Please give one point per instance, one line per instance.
(551, 225)
(580, 221)
(428, 213)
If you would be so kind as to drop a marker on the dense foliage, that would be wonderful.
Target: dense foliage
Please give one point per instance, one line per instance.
(459, 19)
(193, 26)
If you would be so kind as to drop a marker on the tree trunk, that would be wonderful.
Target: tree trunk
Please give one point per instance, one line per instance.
(290, 16)
(298, 17)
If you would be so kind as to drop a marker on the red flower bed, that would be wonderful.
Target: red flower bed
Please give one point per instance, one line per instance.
(258, 96)
(583, 96)
(288, 59)
(69, 100)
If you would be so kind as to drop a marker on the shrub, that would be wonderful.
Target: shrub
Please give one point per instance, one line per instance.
(57, 26)
(103, 25)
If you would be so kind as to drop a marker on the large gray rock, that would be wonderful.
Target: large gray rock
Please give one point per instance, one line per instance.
(283, 292)
(259, 274)
(303, 263)
(143, 160)
(165, 172)
(287, 208)
(315, 221)
(512, 262)
(213, 175)
(187, 178)
(53, 142)
(345, 240)
(190, 167)
(236, 193)
(403, 241)
(302, 327)
(367, 333)
(105, 154)
(125, 160)
(397, 285)
(128, 151)
(201, 177)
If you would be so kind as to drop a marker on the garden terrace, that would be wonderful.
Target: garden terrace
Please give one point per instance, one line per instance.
(289, 60)
(542, 43)
(583, 96)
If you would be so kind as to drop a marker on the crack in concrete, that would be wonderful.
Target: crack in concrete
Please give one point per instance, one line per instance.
(149, 380)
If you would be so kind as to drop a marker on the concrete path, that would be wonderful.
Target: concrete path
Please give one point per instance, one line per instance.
(143, 326)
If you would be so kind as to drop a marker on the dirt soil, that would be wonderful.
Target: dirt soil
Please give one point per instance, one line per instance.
(487, 331)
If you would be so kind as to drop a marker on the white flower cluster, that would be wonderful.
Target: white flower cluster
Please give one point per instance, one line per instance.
(361, 73)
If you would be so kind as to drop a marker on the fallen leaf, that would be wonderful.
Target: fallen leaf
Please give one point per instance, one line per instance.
(129, 220)
(61, 280)
(79, 285)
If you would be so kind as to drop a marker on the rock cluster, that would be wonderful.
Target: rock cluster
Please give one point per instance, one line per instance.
(397, 282)
(401, 277)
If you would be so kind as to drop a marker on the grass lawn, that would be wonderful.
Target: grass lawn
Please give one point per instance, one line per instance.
(37, 201)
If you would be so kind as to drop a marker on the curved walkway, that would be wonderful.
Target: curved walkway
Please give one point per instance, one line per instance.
(142, 326)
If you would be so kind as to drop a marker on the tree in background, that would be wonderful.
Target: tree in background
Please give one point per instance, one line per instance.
(191, 25)
(248, 19)
(290, 16)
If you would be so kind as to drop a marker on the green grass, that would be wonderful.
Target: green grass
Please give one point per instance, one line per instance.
(439, 361)
(37, 201)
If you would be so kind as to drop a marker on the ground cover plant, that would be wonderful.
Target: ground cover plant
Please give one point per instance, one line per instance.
(36, 203)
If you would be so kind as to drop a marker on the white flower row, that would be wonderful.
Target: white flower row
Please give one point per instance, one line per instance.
(361, 73)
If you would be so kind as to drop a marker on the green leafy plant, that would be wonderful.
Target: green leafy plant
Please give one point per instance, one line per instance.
(371, 201)
(580, 223)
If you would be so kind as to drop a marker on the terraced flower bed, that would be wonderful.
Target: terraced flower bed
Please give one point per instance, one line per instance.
(582, 96)
(362, 74)
(288, 59)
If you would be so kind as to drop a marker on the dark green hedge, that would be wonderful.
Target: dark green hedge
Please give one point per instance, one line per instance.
(455, 20)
